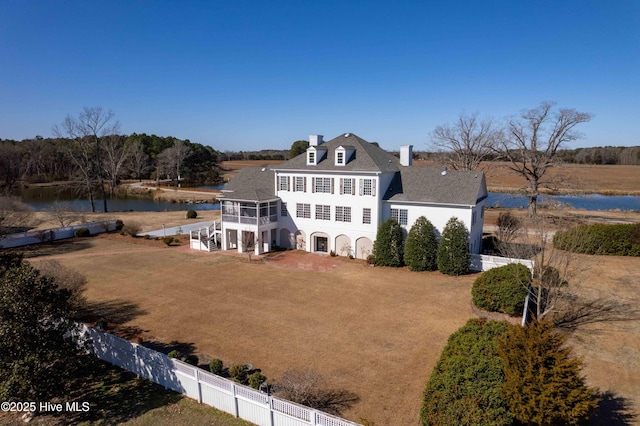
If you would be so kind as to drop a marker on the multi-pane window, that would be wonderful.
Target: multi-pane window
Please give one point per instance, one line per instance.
(323, 185)
(346, 186)
(400, 215)
(283, 209)
(340, 157)
(323, 212)
(300, 184)
(343, 214)
(312, 157)
(367, 187)
(366, 216)
(283, 183)
(303, 210)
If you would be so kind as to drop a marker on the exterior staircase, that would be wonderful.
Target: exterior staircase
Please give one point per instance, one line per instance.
(207, 238)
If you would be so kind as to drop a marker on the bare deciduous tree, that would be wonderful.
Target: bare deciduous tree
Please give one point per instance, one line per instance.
(532, 142)
(138, 159)
(68, 279)
(64, 214)
(116, 152)
(173, 158)
(13, 214)
(87, 132)
(466, 143)
(308, 387)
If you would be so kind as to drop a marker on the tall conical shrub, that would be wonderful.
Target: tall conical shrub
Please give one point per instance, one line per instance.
(388, 247)
(453, 250)
(421, 249)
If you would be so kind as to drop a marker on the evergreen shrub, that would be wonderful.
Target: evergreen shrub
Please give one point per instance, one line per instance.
(216, 366)
(601, 239)
(453, 249)
(421, 249)
(464, 387)
(81, 233)
(388, 248)
(502, 289)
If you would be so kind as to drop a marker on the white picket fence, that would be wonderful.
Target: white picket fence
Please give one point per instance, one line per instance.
(225, 395)
(482, 262)
(40, 236)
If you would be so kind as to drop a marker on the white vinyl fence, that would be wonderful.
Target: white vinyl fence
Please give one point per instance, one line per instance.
(482, 262)
(225, 395)
(44, 235)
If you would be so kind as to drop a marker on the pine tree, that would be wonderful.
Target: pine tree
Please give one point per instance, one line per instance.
(453, 250)
(388, 247)
(543, 385)
(421, 249)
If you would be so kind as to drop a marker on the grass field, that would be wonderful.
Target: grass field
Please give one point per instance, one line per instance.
(376, 332)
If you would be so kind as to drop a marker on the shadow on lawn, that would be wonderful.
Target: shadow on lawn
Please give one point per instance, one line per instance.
(114, 395)
(115, 312)
(182, 347)
(613, 410)
(55, 248)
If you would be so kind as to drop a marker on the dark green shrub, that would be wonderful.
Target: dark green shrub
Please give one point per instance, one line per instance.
(81, 233)
(239, 373)
(388, 247)
(615, 240)
(502, 289)
(371, 259)
(256, 379)
(453, 249)
(119, 225)
(543, 381)
(101, 324)
(464, 388)
(192, 359)
(175, 354)
(421, 249)
(168, 240)
(216, 366)
(192, 214)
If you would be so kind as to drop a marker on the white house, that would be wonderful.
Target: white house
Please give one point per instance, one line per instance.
(334, 197)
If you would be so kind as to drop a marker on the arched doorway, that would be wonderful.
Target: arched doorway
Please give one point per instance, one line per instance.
(364, 247)
(343, 246)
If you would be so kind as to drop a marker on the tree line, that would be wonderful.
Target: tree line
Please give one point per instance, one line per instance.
(90, 151)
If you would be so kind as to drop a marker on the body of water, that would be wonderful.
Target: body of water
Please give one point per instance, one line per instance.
(586, 202)
(42, 198)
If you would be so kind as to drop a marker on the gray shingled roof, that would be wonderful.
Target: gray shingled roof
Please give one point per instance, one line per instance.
(366, 158)
(428, 185)
(251, 183)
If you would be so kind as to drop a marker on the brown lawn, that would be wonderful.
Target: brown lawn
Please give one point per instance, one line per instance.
(376, 332)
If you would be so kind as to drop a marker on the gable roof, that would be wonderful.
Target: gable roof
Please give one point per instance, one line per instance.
(251, 184)
(366, 158)
(427, 184)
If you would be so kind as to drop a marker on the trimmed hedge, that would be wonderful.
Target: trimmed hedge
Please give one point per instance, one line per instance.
(614, 240)
(192, 214)
(388, 248)
(421, 249)
(81, 233)
(502, 289)
(465, 385)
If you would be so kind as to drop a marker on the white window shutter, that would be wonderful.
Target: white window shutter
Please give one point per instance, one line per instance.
(361, 186)
(373, 187)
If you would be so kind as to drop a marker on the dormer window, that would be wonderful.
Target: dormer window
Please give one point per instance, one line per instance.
(343, 155)
(315, 154)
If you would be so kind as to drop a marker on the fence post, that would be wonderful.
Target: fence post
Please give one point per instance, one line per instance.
(198, 386)
(313, 417)
(270, 404)
(235, 400)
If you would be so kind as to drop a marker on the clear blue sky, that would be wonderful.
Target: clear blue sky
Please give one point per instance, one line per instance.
(248, 75)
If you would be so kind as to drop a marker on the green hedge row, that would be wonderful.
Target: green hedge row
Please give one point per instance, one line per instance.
(615, 240)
